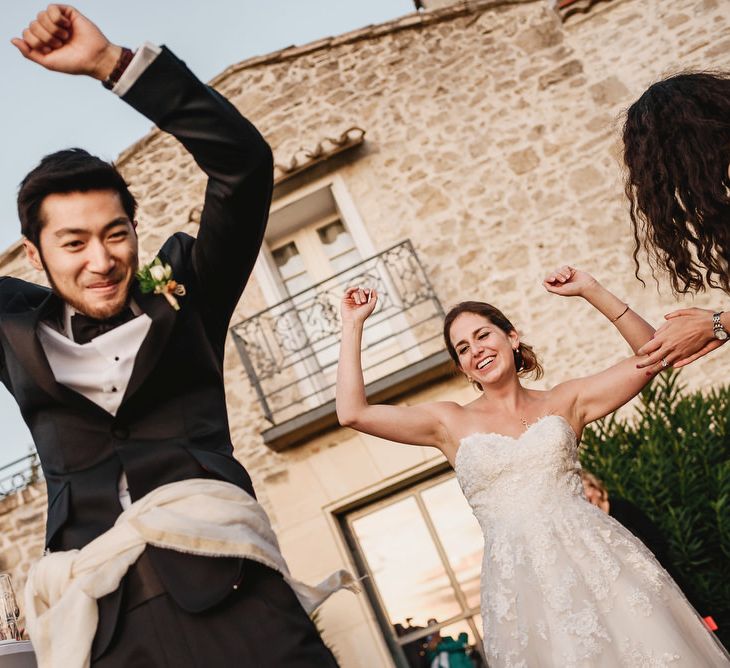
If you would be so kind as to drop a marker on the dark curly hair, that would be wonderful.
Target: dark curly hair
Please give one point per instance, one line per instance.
(526, 361)
(677, 150)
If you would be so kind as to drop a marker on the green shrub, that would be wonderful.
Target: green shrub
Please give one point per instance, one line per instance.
(672, 459)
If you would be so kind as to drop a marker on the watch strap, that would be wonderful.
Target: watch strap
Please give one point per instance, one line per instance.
(717, 325)
(124, 59)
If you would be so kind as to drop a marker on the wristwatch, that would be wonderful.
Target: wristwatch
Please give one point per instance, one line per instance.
(721, 334)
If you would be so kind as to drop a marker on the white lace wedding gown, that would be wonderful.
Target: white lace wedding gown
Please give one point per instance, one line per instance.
(563, 584)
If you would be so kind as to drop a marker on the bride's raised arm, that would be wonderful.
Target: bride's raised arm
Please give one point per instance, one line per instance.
(415, 425)
(570, 282)
(598, 395)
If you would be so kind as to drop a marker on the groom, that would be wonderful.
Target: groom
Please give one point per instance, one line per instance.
(124, 393)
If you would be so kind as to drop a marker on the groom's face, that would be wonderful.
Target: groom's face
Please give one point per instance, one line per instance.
(88, 249)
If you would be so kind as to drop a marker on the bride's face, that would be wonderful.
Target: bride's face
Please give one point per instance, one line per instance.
(485, 352)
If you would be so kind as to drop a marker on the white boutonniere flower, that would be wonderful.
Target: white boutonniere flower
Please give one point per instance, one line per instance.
(157, 277)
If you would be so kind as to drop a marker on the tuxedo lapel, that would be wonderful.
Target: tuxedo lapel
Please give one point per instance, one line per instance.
(21, 332)
(163, 320)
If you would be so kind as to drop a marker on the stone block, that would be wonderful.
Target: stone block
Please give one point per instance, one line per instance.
(585, 178)
(345, 468)
(521, 162)
(720, 49)
(561, 73)
(539, 37)
(609, 92)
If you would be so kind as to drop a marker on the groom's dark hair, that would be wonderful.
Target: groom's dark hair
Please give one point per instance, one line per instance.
(67, 171)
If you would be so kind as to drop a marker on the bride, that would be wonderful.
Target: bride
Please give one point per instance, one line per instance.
(562, 583)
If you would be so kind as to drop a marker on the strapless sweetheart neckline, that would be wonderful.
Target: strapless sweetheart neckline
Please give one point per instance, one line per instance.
(514, 439)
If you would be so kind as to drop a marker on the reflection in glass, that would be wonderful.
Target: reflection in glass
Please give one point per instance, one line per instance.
(335, 238)
(339, 246)
(460, 534)
(459, 645)
(291, 267)
(405, 564)
(452, 646)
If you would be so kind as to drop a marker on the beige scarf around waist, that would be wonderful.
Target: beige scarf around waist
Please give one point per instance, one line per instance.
(206, 517)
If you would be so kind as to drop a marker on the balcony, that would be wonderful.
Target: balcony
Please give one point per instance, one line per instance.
(289, 351)
(19, 474)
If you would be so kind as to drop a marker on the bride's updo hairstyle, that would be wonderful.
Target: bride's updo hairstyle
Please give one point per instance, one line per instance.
(526, 361)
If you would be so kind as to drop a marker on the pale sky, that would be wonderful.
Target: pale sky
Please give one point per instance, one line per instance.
(42, 111)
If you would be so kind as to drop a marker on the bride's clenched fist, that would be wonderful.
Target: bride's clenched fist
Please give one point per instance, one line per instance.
(357, 304)
(569, 282)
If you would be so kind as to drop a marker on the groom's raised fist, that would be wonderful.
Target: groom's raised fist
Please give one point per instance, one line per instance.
(62, 39)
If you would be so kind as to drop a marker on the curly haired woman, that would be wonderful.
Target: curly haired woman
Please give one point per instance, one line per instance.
(677, 150)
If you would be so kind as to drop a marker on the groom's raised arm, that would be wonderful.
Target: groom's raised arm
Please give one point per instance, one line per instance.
(225, 145)
(239, 165)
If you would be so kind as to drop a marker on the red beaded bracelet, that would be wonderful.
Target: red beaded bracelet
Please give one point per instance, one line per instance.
(124, 59)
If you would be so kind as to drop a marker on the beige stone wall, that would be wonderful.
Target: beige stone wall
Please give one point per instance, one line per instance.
(22, 533)
(492, 143)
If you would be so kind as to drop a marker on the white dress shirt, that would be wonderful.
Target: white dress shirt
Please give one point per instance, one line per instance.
(143, 58)
(100, 369)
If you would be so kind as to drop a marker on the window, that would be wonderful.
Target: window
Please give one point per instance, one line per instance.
(314, 253)
(422, 550)
(303, 259)
(316, 246)
(311, 235)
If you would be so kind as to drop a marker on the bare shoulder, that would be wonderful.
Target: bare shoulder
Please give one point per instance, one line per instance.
(444, 411)
(561, 400)
(444, 407)
(450, 415)
(565, 392)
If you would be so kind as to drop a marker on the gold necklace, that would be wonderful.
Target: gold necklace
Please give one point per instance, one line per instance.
(524, 422)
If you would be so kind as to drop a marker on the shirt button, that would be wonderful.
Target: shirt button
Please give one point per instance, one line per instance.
(114, 389)
(116, 359)
(122, 433)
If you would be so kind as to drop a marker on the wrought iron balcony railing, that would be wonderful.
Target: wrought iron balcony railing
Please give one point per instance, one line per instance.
(290, 350)
(19, 474)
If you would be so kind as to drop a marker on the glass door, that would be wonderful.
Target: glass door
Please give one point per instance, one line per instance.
(422, 550)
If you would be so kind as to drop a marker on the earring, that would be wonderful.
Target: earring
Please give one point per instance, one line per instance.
(473, 383)
(519, 360)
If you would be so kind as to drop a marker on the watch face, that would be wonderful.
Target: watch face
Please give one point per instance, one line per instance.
(721, 334)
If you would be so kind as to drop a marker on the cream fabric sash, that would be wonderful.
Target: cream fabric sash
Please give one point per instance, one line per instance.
(206, 517)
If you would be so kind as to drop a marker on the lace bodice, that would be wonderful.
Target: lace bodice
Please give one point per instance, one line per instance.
(503, 477)
(562, 583)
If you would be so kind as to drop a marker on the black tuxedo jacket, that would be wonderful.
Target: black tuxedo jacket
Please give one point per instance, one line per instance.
(172, 423)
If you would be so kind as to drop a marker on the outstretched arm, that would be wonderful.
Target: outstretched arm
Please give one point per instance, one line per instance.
(416, 425)
(570, 282)
(239, 166)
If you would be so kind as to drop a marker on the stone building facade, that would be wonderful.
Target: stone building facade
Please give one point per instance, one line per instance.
(487, 134)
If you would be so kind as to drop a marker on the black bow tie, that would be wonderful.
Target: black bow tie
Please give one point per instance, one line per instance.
(84, 328)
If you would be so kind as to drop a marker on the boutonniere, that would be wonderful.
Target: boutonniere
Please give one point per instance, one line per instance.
(157, 277)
